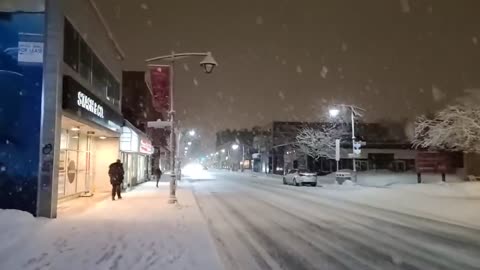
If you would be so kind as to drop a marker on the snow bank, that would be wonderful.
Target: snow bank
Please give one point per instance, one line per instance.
(386, 178)
(15, 226)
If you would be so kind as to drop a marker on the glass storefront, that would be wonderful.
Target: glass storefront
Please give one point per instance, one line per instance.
(75, 164)
(136, 149)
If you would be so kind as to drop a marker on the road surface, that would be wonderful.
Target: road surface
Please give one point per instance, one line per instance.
(262, 224)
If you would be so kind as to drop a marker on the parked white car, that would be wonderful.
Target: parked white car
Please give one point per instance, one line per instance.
(300, 177)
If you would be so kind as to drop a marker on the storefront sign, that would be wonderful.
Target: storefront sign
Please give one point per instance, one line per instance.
(89, 104)
(79, 101)
(160, 80)
(128, 140)
(146, 147)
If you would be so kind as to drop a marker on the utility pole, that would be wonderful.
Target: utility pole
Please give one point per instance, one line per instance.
(173, 182)
(353, 139)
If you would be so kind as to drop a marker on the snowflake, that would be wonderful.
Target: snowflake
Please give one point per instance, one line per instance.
(144, 6)
(281, 95)
(437, 93)
(405, 5)
(195, 82)
(344, 47)
(299, 69)
(259, 20)
(324, 72)
(430, 9)
(475, 40)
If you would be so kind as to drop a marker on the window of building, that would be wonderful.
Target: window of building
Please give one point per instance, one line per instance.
(81, 58)
(85, 63)
(71, 46)
(99, 79)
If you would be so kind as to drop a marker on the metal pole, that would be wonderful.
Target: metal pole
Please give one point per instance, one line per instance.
(173, 184)
(353, 139)
(243, 157)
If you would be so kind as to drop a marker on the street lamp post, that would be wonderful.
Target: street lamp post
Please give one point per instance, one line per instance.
(208, 64)
(354, 111)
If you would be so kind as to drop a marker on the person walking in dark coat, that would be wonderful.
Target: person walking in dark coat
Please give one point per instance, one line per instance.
(116, 178)
(158, 174)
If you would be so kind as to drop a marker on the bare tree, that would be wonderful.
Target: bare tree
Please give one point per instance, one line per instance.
(319, 142)
(455, 128)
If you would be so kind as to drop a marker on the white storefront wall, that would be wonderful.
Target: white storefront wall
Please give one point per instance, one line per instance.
(136, 150)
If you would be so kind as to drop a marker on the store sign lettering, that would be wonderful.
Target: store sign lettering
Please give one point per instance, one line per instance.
(89, 104)
(146, 147)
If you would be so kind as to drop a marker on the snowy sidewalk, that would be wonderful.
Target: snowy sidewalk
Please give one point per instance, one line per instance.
(141, 231)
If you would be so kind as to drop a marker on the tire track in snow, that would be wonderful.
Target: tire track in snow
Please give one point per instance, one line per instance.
(398, 233)
(285, 256)
(240, 236)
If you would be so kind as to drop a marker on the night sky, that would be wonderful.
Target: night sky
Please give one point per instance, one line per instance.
(287, 60)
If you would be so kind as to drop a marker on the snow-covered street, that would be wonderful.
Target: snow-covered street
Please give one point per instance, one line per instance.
(139, 232)
(228, 220)
(258, 223)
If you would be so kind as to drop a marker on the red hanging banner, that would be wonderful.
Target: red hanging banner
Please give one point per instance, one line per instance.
(160, 80)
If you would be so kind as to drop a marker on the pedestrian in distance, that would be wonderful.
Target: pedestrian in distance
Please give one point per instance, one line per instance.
(116, 174)
(158, 174)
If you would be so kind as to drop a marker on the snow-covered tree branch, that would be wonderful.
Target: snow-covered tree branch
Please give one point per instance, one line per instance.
(455, 128)
(319, 142)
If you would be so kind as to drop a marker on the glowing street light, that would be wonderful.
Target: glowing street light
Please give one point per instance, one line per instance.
(192, 133)
(223, 150)
(354, 112)
(235, 146)
(334, 112)
(189, 143)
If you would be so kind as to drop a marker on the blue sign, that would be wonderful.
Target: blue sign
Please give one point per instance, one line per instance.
(21, 80)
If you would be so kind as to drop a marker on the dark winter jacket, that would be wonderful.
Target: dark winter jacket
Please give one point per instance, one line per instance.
(158, 172)
(116, 173)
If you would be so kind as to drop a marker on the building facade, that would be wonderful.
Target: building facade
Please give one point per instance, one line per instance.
(386, 148)
(138, 109)
(63, 103)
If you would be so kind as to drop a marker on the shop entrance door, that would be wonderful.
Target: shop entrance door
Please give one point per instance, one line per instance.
(74, 163)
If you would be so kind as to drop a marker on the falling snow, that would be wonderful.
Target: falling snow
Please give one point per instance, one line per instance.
(475, 40)
(186, 67)
(281, 95)
(144, 6)
(405, 6)
(259, 20)
(324, 72)
(284, 62)
(118, 12)
(149, 22)
(344, 47)
(430, 9)
(195, 81)
(299, 69)
(438, 94)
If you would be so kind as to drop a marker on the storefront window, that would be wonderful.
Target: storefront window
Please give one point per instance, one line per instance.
(73, 138)
(81, 58)
(85, 65)
(71, 47)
